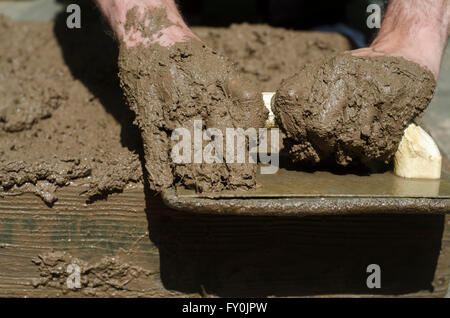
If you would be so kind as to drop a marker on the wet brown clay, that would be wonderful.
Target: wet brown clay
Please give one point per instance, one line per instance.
(53, 128)
(267, 55)
(62, 119)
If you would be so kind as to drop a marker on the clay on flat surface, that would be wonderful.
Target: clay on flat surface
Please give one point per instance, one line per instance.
(28, 93)
(349, 110)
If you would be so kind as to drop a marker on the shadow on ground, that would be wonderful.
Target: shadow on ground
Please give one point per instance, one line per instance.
(91, 54)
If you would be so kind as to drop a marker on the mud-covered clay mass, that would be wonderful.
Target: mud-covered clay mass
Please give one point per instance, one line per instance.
(348, 109)
(62, 117)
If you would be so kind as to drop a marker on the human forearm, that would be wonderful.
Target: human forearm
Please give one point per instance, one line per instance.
(416, 29)
(167, 32)
(410, 19)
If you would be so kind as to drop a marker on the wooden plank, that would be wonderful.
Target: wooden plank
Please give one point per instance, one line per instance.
(113, 228)
(132, 245)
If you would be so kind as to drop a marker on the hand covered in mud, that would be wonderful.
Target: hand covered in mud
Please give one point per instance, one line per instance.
(174, 87)
(173, 81)
(355, 107)
(348, 109)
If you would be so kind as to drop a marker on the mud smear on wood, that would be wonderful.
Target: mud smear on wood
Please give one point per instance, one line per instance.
(110, 277)
(62, 117)
(351, 110)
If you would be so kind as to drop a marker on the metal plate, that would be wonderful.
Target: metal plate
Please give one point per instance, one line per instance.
(296, 193)
(295, 184)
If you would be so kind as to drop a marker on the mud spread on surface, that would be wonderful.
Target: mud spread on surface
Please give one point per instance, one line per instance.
(54, 128)
(267, 55)
(349, 110)
(63, 118)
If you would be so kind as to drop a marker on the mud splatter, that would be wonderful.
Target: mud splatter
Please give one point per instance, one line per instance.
(111, 276)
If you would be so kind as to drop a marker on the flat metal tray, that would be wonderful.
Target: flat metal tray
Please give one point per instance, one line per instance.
(298, 193)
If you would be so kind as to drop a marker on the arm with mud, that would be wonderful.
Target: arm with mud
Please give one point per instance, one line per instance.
(353, 108)
(416, 30)
(172, 80)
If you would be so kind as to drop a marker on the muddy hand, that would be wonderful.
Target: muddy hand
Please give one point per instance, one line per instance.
(188, 86)
(145, 22)
(351, 109)
(174, 81)
(355, 107)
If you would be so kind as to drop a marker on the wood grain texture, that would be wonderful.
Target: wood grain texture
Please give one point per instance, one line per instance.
(200, 255)
(111, 227)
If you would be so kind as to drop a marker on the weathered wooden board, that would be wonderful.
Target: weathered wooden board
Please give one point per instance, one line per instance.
(126, 247)
(116, 227)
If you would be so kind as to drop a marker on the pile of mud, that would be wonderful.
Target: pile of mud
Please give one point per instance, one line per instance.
(54, 125)
(62, 115)
(268, 55)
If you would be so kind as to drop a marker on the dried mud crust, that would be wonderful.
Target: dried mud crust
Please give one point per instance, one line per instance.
(170, 88)
(349, 110)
